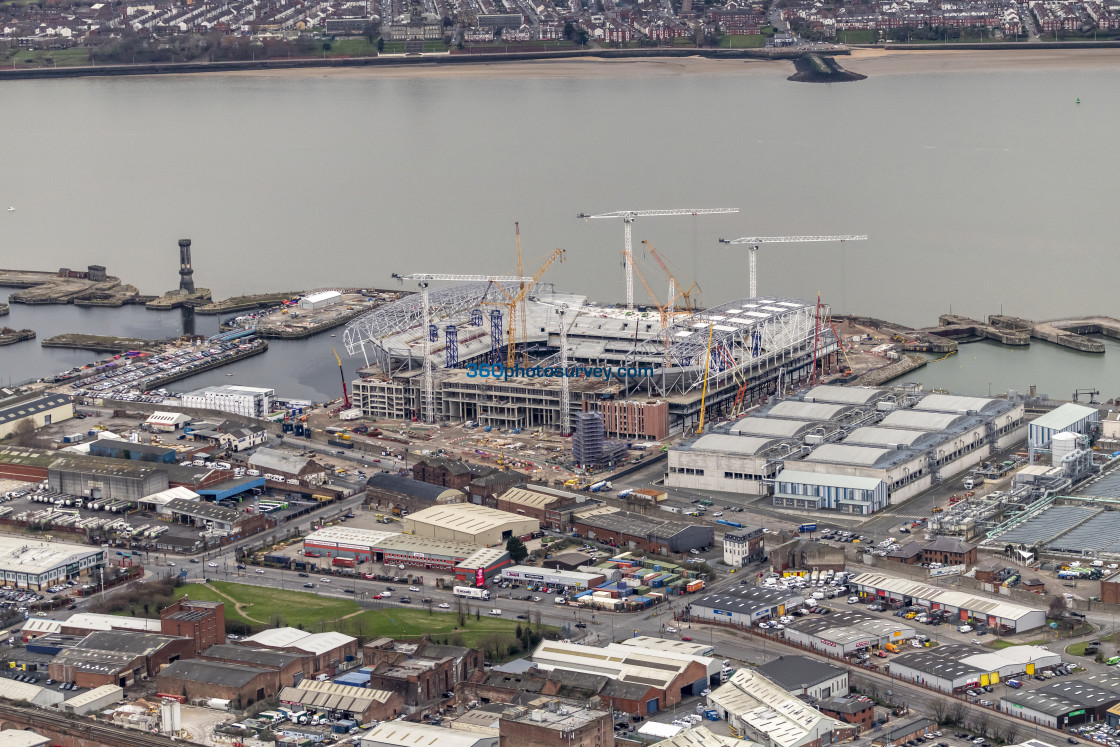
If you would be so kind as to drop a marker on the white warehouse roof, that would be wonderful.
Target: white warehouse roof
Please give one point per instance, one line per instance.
(954, 403)
(863, 456)
(944, 597)
(808, 410)
(848, 395)
(772, 427)
(922, 420)
(1065, 416)
(322, 296)
(891, 437)
(739, 445)
(768, 709)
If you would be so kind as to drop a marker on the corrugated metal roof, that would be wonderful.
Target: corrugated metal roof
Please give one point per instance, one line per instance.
(922, 420)
(955, 403)
(1065, 416)
(847, 395)
(772, 427)
(739, 445)
(863, 456)
(808, 410)
(891, 437)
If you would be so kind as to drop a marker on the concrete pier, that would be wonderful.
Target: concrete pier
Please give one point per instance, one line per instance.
(1067, 333)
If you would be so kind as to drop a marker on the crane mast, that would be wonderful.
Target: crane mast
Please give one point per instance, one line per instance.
(428, 399)
(754, 241)
(628, 217)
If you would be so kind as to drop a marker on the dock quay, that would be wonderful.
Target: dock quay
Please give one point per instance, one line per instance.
(101, 343)
(67, 286)
(961, 328)
(176, 299)
(901, 367)
(9, 336)
(245, 303)
(294, 322)
(1070, 333)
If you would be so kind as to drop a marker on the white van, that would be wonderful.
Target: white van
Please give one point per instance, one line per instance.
(496, 612)
(964, 629)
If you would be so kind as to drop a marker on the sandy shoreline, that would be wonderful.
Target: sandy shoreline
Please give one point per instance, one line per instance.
(869, 62)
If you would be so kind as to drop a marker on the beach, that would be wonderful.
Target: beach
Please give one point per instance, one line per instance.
(866, 61)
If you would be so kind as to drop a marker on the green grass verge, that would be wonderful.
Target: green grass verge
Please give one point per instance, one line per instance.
(73, 57)
(316, 613)
(360, 47)
(857, 36)
(745, 41)
(1006, 644)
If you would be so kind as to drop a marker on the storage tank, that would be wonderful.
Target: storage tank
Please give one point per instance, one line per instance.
(1062, 445)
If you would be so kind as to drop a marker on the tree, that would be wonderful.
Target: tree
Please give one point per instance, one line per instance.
(1058, 608)
(516, 549)
(24, 433)
(380, 44)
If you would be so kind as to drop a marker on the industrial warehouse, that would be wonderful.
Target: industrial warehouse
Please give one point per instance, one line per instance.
(37, 565)
(368, 545)
(661, 678)
(413, 347)
(470, 523)
(852, 450)
(744, 605)
(997, 614)
(953, 667)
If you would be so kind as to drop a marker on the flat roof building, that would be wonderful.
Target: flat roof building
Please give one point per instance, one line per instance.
(728, 463)
(251, 401)
(32, 564)
(565, 579)
(744, 605)
(467, 522)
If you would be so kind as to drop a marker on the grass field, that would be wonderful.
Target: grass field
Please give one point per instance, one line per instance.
(745, 41)
(42, 58)
(858, 36)
(1005, 644)
(262, 608)
(360, 47)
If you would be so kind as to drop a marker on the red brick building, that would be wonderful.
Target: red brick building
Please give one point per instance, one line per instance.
(419, 673)
(558, 724)
(237, 683)
(202, 622)
(851, 709)
(115, 657)
(291, 668)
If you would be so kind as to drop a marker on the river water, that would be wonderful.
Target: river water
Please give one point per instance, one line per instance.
(981, 191)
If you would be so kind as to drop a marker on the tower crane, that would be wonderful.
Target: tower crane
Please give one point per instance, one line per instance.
(565, 393)
(513, 301)
(427, 405)
(628, 217)
(674, 284)
(754, 241)
(345, 394)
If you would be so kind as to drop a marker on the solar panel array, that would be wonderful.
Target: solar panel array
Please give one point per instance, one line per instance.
(1050, 523)
(1101, 533)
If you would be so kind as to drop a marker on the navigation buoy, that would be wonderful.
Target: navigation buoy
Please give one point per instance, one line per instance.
(1078, 101)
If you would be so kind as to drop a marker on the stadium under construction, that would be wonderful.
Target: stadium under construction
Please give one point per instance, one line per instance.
(730, 357)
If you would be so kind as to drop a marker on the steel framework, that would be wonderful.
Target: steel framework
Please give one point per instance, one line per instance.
(746, 336)
(368, 334)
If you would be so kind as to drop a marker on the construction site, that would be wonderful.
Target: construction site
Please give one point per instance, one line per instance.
(666, 366)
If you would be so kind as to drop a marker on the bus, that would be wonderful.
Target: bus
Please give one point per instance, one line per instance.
(471, 592)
